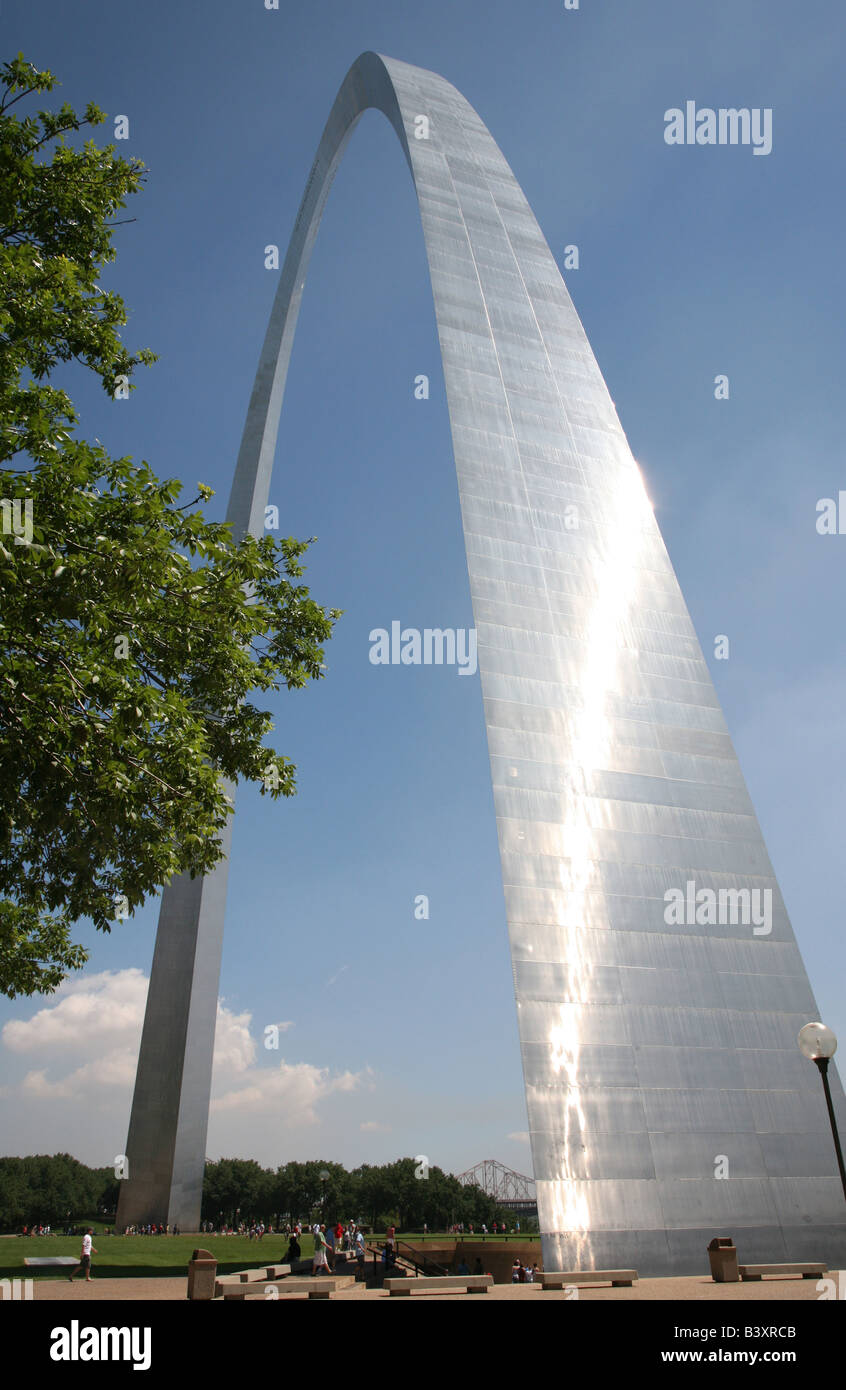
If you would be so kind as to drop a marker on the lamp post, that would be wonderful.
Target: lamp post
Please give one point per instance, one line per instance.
(324, 1178)
(819, 1044)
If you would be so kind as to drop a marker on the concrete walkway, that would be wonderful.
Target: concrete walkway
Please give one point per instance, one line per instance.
(691, 1289)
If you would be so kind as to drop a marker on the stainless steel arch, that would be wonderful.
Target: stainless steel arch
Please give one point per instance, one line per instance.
(652, 1050)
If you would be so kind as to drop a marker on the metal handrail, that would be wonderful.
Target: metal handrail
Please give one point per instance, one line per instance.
(423, 1269)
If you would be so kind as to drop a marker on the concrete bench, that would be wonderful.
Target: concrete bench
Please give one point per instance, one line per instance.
(559, 1279)
(468, 1283)
(806, 1271)
(68, 1261)
(255, 1276)
(315, 1288)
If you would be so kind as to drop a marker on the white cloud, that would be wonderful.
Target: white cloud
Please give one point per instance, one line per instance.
(87, 1040)
(113, 1069)
(374, 1127)
(291, 1088)
(88, 1014)
(521, 1135)
(234, 1048)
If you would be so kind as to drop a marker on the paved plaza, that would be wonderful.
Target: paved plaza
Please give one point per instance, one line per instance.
(691, 1289)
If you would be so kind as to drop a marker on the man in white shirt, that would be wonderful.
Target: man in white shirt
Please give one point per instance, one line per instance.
(319, 1260)
(85, 1261)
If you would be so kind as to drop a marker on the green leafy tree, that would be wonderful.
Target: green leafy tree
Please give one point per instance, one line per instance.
(133, 631)
(107, 1191)
(46, 1188)
(14, 1194)
(236, 1185)
(376, 1193)
(335, 1194)
(408, 1197)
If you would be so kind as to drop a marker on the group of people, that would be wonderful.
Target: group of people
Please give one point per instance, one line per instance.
(520, 1273)
(152, 1228)
(348, 1239)
(251, 1230)
(459, 1229)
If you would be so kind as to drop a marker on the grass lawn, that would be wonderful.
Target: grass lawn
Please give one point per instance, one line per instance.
(124, 1257)
(137, 1257)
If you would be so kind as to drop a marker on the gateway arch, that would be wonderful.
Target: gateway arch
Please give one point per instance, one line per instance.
(666, 1096)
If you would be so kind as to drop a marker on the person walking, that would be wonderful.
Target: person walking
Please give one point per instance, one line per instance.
(320, 1261)
(85, 1259)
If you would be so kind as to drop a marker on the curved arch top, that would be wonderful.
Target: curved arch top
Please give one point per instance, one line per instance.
(648, 1045)
(496, 286)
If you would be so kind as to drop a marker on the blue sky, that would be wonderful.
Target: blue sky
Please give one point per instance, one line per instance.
(694, 261)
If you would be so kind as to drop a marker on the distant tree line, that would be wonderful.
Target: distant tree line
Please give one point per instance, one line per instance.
(57, 1189)
(53, 1190)
(404, 1193)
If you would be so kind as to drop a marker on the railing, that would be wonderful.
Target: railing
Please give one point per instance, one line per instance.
(422, 1266)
